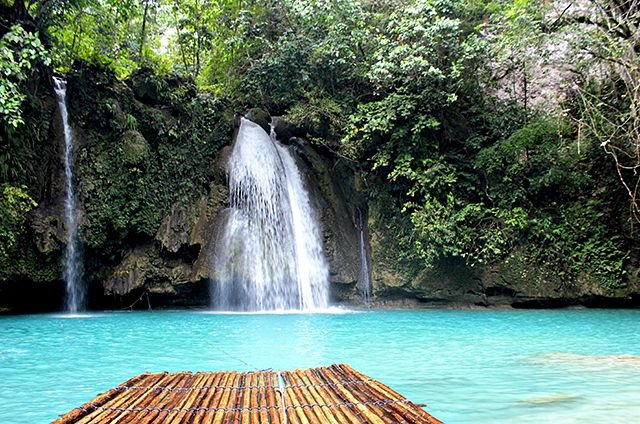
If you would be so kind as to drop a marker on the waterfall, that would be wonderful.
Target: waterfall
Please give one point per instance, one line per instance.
(269, 256)
(72, 273)
(364, 277)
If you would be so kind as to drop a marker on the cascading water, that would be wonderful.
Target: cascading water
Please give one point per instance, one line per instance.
(364, 277)
(75, 296)
(270, 255)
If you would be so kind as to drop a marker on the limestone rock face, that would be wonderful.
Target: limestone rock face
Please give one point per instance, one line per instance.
(391, 276)
(179, 255)
(175, 229)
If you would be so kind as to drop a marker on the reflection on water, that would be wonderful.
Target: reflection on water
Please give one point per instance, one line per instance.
(467, 366)
(575, 359)
(74, 316)
(550, 398)
(331, 310)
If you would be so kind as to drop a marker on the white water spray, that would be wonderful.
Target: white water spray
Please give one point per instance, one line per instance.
(270, 254)
(72, 273)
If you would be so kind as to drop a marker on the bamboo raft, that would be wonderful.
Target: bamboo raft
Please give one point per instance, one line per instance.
(336, 394)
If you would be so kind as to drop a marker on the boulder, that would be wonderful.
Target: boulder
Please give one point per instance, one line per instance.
(285, 130)
(260, 117)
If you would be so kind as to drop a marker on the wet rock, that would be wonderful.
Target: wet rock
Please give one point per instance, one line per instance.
(145, 86)
(46, 228)
(174, 231)
(222, 161)
(260, 117)
(449, 280)
(285, 130)
(331, 190)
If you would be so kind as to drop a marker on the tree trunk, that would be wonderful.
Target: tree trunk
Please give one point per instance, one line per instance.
(142, 31)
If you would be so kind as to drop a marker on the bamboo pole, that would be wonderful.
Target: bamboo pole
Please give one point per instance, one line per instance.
(315, 414)
(252, 396)
(220, 414)
(106, 416)
(235, 400)
(109, 411)
(296, 402)
(99, 400)
(214, 401)
(363, 397)
(371, 415)
(238, 415)
(262, 398)
(162, 398)
(193, 397)
(409, 407)
(206, 396)
(310, 396)
(318, 398)
(273, 398)
(167, 402)
(279, 394)
(289, 402)
(329, 394)
(396, 412)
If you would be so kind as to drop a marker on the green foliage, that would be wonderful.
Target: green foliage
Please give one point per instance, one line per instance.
(26, 263)
(322, 117)
(97, 32)
(314, 62)
(500, 191)
(132, 176)
(536, 164)
(574, 241)
(541, 169)
(418, 72)
(400, 87)
(14, 205)
(474, 232)
(20, 52)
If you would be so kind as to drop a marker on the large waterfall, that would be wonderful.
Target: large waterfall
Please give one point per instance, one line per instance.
(270, 254)
(75, 296)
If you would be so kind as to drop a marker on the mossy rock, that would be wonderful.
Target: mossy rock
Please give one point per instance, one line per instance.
(260, 117)
(134, 147)
(146, 86)
(286, 130)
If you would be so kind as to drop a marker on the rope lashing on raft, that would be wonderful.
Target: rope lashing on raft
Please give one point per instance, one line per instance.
(92, 408)
(287, 386)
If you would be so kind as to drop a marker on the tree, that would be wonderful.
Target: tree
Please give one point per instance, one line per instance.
(607, 41)
(20, 52)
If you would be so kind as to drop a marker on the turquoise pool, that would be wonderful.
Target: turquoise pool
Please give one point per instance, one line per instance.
(561, 366)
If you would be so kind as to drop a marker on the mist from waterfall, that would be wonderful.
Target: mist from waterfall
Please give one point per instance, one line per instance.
(269, 256)
(72, 270)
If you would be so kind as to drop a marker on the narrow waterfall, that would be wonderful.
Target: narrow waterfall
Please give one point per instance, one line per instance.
(72, 273)
(269, 256)
(364, 277)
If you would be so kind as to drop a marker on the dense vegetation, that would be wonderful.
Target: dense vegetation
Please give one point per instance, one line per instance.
(489, 128)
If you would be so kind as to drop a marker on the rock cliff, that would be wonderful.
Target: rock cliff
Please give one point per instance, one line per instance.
(151, 178)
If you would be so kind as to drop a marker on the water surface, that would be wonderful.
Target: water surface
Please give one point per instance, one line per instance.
(569, 366)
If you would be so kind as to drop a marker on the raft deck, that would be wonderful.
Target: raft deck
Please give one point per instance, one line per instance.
(336, 394)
